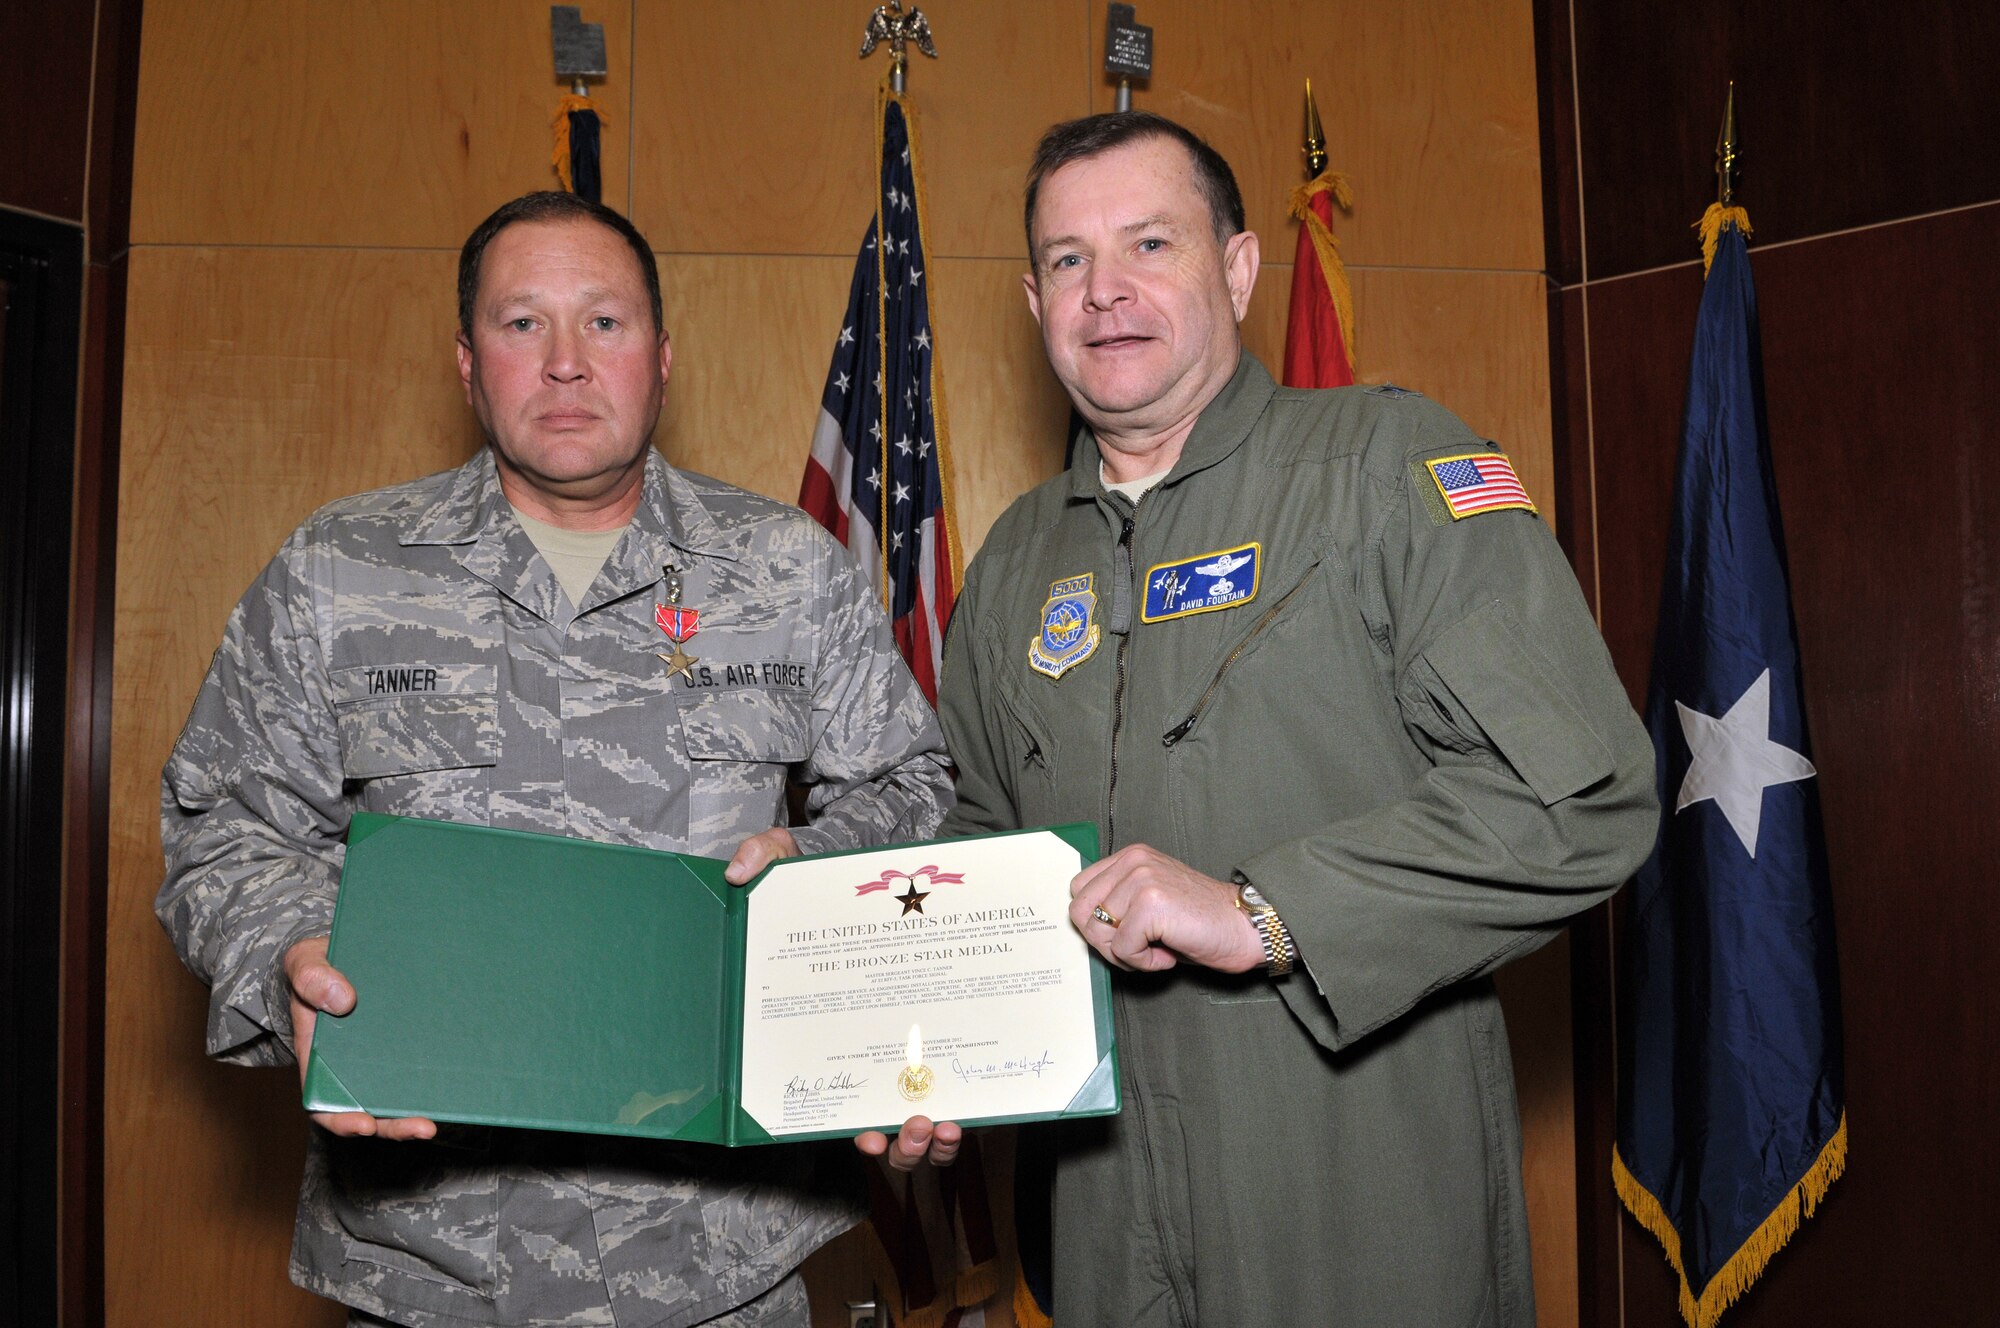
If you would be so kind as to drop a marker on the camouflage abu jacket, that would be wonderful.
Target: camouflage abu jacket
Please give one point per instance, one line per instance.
(408, 651)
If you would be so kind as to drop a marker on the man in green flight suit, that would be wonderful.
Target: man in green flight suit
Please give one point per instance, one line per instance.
(1351, 741)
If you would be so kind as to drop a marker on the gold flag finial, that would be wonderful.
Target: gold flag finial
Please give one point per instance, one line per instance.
(1315, 148)
(1725, 152)
(889, 23)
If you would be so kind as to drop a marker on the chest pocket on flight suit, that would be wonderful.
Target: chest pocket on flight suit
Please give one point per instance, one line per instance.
(1028, 747)
(428, 751)
(740, 744)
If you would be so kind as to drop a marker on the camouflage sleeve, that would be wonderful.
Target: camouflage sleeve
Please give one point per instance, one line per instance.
(251, 813)
(877, 766)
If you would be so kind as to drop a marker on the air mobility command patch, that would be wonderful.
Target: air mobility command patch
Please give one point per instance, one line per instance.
(1477, 482)
(1069, 634)
(1201, 584)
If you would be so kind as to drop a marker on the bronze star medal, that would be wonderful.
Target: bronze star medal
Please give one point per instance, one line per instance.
(679, 662)
(912, 899)
(680, 625)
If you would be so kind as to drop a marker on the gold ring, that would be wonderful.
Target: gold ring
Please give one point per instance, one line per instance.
(1103, 917)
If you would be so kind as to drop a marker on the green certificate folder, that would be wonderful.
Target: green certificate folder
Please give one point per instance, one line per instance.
(515, 979)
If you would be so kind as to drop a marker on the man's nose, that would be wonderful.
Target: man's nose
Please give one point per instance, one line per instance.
(1107, 285)
(566, 361)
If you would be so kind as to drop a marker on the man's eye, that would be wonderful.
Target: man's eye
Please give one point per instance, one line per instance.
(522, 324)
(604, 323)
(1068, 260)
(1151, 246)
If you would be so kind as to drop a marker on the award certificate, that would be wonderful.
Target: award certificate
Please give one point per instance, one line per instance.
(943, 979)
(516, 979)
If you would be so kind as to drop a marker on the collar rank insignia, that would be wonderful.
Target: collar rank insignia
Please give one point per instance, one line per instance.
(1202, 584)
(1478, 482)
(1069, 635)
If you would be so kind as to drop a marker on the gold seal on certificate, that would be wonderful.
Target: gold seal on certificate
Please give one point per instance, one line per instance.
(914, 1083)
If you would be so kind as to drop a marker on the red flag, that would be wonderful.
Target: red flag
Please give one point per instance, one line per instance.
(1319, 334)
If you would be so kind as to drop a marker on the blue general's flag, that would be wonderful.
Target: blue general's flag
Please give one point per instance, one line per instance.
(1731, 1118)
(876, 476)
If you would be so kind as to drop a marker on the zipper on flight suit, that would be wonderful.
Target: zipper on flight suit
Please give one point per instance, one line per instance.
(1121, 624)
(1182, 729)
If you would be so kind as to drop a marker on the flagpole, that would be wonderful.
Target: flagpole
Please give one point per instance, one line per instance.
(1315, 148)
(1724, 211)
(1725, 152)
(1319, 328)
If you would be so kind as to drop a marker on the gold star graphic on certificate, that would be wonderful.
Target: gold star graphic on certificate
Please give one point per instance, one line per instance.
(679, 662)
(912, 900)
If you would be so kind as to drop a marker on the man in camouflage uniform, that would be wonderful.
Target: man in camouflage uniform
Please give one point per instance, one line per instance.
(500, 645)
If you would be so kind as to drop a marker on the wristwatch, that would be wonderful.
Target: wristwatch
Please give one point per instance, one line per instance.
(1279, 953)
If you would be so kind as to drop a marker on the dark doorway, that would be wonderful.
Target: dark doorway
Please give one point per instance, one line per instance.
(41, 286)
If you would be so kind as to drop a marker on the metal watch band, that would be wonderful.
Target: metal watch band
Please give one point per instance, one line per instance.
(1279, 955)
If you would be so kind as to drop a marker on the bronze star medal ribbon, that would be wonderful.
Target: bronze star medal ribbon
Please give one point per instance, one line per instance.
(680, 625)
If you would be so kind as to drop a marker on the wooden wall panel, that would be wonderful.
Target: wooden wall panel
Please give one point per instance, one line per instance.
(1477, 342)
(1650, 88)
(752, 340)
(47, 85)
(1429, 108)
(769, 124)
(379, 124)
(1009, 415)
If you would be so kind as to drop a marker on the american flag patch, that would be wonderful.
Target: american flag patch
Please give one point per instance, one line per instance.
(1478, 482)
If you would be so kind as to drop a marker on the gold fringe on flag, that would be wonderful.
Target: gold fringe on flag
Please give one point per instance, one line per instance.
(1328, 249)
(560, 158)
(976, 1285)
(1747, 1264)
(1026, 1312)
(1710, 226)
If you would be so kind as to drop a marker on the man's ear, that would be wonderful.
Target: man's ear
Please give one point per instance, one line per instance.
(465, 366)
(1241, 257)
(666, 356)
(1034, 295)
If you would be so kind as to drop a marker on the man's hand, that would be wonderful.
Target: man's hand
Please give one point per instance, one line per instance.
(758, 852)
(1163, 912)
(918, 1141)
(318, 985)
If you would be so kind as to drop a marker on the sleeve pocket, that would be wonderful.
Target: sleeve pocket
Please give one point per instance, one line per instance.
(1521, 703)
(411, 734)
(768, 728)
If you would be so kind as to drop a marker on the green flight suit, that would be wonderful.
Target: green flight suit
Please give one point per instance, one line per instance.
(1405, 729)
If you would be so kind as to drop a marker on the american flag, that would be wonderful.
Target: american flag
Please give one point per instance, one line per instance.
(876, 477)
(1482, 483)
